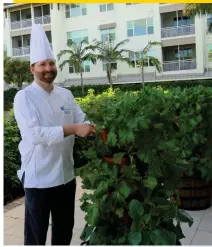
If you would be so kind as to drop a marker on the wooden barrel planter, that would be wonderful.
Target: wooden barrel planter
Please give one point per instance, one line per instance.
(195, 194)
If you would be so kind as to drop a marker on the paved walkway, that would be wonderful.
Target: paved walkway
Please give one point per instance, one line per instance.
(199, 234)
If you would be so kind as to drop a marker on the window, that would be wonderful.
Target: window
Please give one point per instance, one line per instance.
(134, 57)
(182, 20)
(73, 10)
(78, 36)
(85, 67)
(106, 7)
(113, 66)
(140, 27)
(131, 3)
(186, 53)
(108, 34)
(210, 52)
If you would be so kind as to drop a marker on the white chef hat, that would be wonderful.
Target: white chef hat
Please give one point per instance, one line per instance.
(40, 48)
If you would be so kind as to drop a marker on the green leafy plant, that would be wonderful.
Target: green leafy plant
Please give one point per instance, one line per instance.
(78, 54)
(193, 9)
(110, 53)
(16, 71)
(158, 134)
(144, 57)
(12, 161)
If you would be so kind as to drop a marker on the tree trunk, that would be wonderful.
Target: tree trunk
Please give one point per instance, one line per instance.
(142, 74)
(82, 85)
(109, 75)
(20, 85)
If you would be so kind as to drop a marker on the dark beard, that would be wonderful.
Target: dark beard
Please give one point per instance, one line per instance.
(49, 79)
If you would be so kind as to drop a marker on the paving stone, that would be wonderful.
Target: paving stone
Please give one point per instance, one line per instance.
(8, 223)
(196, 215)
(76, 238)
(205, 225)
(12, 240)
(17, 230)
(17, 212)
(208, 214)
(189, 232)
(79, 219)
(6, 210)
(202, 238)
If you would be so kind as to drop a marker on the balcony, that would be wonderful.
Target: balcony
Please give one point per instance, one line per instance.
(175, 31)
(21, 24)
(46, 19)
(179, 57)
(22, 51)
(177, 65)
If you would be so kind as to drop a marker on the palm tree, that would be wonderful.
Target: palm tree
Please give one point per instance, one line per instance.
(144, 57)
(193, 9)
(78, 54)
(110, 53)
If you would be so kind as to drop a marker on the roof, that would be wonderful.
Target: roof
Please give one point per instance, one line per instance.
(11, 5)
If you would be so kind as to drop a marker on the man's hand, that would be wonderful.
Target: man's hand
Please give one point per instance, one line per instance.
(81, 130)
(85, 129)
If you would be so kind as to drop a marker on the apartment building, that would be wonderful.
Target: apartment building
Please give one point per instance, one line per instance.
(185, 51)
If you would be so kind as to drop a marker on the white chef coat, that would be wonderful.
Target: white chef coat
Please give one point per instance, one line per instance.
(46, 155)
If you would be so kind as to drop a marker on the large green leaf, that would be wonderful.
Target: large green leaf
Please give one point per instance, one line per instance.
(93, 214)
(137, 225)
(102, 189)
(117, 157)
(124, 189)
(134, 238)
(160, 237)
(184, 217)
(86, 232)
(150, 182)
(136, 209)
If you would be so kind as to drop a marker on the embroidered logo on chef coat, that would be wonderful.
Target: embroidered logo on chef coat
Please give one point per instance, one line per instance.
(65, 110)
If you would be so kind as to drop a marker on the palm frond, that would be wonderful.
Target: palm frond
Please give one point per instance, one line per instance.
(64, 63)
(65, 52)
(156, 63)
(193, 9)
(91, 57)
(123, 42)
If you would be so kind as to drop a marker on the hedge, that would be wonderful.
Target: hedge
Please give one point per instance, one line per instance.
(98, 89)
(12, 160)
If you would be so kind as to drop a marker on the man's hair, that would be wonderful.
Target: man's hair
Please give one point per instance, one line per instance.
(33, 64)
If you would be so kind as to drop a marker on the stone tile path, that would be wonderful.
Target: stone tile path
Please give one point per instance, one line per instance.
(199, 234)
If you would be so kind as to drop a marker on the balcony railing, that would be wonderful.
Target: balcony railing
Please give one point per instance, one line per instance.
(177, 31)
(176, 65)
(46, 19)
(22, 51)
(21, 24)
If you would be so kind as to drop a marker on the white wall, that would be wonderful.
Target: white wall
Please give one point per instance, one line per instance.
(120, 15)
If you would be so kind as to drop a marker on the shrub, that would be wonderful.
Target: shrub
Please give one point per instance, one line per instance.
(155, 137)
(9, 98)
(12, 162)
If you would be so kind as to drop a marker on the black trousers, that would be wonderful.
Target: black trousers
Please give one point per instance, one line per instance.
(39, 203)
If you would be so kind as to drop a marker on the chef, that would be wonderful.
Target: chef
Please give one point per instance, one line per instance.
(48, 118)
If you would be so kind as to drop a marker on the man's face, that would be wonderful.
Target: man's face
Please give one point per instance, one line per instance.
(45, 70)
